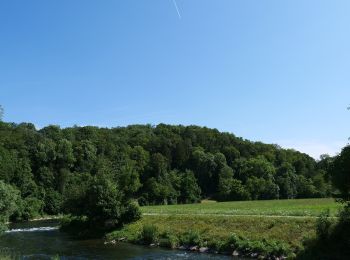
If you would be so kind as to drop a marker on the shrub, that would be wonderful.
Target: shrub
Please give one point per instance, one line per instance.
(132, 212)
(169, 240)
(263, 247)
(218, 245)
(276, 248)
(323, 225)
(150, 234)
(233, 241)
(191, 238)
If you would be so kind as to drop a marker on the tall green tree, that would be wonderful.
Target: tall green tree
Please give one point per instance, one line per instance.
(340, 173)
(10, 198)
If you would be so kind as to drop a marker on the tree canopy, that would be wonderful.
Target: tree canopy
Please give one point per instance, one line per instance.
(340, 172)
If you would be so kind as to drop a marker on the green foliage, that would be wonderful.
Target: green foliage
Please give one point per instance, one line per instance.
(159, 192)
(31, 208)
(104, 204)
(150, 234)
(340, 172)
(323, 225)
(28, 208)
(10, 197)
(102, 200)
(169, 240)
(305, 187)
(263, 247)
(85, 154)
(286, 181)
(230, 188)
(189, 191)
(191, 238)
(260, 188)
(65, 156)
(332, 240)
(52, 202)
(131, 212)
(74, 193)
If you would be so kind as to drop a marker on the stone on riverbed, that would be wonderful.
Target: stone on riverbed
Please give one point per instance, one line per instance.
(194, 248)
(113, 242)
(203, 249)
(235, 253)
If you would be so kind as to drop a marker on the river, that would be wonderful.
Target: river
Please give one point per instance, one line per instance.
(43, 240)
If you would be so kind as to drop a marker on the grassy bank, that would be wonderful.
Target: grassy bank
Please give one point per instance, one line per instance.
(249, 228)
(296, 207)
(240, 235)
(290, 230)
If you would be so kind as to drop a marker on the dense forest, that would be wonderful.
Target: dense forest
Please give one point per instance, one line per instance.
(83, 170)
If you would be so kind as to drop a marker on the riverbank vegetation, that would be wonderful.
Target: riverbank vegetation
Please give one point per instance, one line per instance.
(257, 235)
(262, 227)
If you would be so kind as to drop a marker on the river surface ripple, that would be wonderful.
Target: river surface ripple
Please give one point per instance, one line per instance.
(42, 240)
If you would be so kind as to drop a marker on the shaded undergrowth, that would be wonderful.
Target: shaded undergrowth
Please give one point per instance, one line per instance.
(332, 241)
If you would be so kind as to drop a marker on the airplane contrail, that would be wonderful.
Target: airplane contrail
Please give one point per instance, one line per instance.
(177, 9)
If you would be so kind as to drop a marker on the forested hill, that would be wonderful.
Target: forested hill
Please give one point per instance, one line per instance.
(161, 164)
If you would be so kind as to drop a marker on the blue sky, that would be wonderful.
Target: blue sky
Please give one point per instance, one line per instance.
(273, 71)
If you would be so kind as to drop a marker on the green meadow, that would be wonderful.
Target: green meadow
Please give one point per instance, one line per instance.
(292, 207)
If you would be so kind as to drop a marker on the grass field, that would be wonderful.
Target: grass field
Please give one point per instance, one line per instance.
(296, 207)
(287, 221)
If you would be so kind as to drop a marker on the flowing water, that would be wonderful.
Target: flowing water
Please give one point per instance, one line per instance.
(43, 240)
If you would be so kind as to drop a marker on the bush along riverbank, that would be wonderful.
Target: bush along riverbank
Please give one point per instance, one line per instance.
(192, 240)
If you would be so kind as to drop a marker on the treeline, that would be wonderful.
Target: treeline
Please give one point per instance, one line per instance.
(53, 168)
